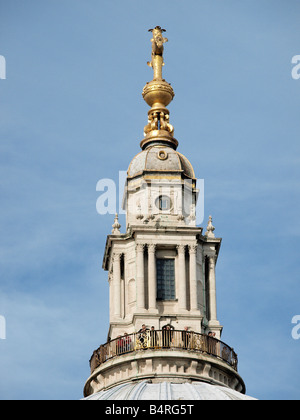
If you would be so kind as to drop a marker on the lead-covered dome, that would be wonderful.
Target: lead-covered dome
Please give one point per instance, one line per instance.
(167, 391)
(160, 158)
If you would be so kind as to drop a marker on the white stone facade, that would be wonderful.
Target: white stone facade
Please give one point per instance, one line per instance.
(161, 233)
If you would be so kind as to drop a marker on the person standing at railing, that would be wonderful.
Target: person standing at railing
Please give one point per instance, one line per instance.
(211, 343)
(143, 336)
(167, 336)
(153, 338)
(102, 354)
(119, 345)
(127, 343)
(143, 329)
(226, 354)
(186, 338)
(234, 360)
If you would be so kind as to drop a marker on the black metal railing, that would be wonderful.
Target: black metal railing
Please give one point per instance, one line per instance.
(164, 339)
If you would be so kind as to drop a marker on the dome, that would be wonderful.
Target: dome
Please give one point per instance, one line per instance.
(166, 391)
(160, 158)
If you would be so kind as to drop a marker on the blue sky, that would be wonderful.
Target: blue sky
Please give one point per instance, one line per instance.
(72, 113)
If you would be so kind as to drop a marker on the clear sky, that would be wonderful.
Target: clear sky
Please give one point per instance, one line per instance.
(71, 113)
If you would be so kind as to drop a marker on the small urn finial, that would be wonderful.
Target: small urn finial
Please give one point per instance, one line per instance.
(210, 229)
(116, 226)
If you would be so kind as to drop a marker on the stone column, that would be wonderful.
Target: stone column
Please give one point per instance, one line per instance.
(212, 289)
(117, 284)
(152, 276)
(140, 277)
(182, 298)
(193, 277)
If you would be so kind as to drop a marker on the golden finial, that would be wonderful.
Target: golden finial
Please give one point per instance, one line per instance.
(158, 94)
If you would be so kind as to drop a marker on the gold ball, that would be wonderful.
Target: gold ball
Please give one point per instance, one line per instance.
(158, 92)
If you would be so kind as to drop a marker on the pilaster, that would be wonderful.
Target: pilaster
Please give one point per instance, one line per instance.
(152, 278)
(117, 284)
(140, 277)
(193, 277)
(182, 298)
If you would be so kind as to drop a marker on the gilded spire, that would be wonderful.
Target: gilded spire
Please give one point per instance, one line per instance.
(158, 94)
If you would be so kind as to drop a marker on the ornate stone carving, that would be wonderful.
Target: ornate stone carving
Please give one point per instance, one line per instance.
(180, 218)
(180, 249)
(139, 215)
(151, 248)
(116, 256)
(140, 247)
(192, 216)
(193, 249)
(212, 262)
(150, 215)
